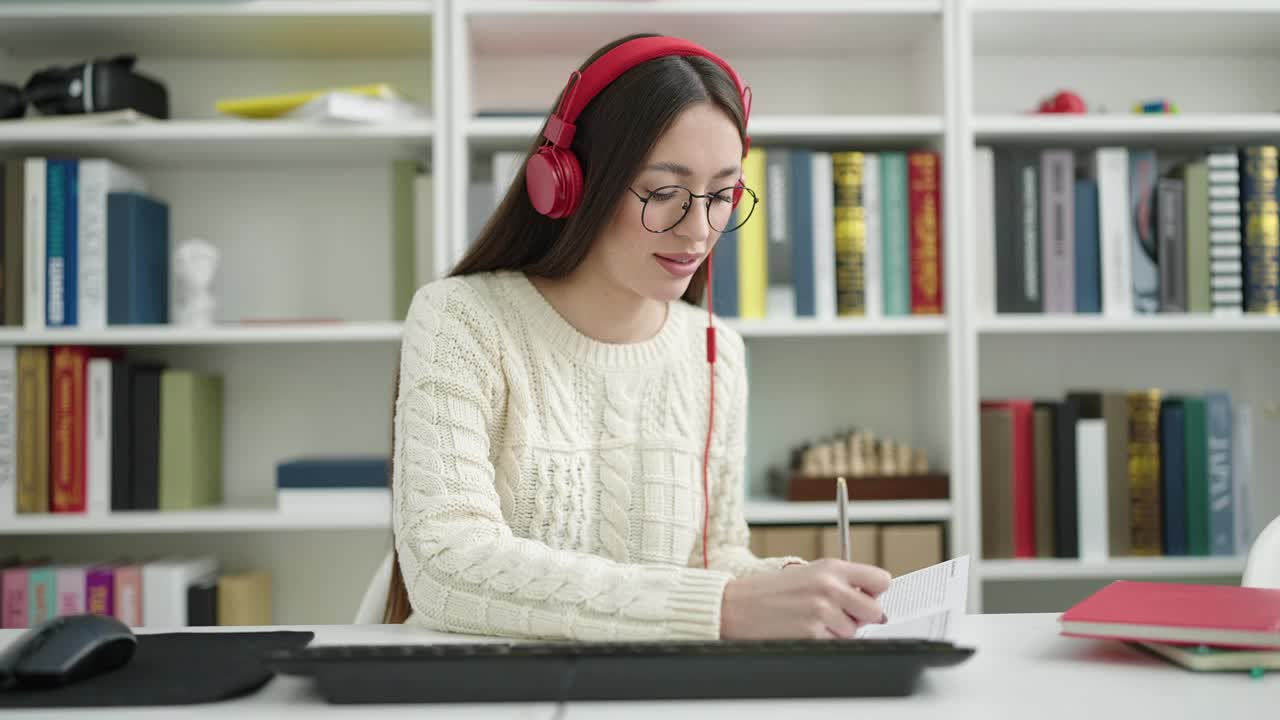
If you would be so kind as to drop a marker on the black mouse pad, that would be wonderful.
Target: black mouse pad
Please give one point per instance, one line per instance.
(181, 668)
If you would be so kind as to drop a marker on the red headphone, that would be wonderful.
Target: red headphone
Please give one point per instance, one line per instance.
(553, 177)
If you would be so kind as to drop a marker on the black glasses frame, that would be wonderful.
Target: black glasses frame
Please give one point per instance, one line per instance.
(644, 200)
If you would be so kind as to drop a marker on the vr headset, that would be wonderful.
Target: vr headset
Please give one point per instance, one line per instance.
(89, 87)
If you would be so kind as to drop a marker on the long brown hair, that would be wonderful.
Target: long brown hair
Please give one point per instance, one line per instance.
(616, 132)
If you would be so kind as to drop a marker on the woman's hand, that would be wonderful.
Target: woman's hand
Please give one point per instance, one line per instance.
(824, 599)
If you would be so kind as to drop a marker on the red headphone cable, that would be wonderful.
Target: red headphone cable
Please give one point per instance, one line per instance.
(711, 415)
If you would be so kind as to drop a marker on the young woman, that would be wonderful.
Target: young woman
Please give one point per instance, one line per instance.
(566, 462)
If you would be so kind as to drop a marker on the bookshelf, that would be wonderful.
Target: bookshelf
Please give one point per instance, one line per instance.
(301, 214)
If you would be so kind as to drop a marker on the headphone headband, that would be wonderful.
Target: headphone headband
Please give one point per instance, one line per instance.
(584, 86)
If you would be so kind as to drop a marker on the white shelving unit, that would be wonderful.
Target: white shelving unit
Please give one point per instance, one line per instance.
(301, 213)
(1206, 57)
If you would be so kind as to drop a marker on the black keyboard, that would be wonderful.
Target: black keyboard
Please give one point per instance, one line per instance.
(558, 671)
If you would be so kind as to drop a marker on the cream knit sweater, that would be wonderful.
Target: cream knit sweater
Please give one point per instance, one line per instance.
(550, 486)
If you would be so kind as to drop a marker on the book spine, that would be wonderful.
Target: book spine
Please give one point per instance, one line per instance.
(71, 591)
(753, 242)
(850, 233)
(1144, 473)
(1058, 212)
(128, 595)
(1261, 221)
(1196, 438)
(67, 484)
(1172, 246)
(100, 591)
(895, 234)
(996, 436)
(9, 419)
(1221, 514)
(873, 264)
(1114, 231)
(1066, 487)
(35, 218)
(1091, 460)
(780, 296)
(57, 187)
(16, 601)
(724, 272)
(15, 263)
(925, 194)
(1115, 411)
(1042, 450)
(42, 592)
(801, 225)
(824, 248)
(1226, 238)
(98, 177)
(1143, 174)
(1088, 263)
(1024, 490)
(1019, 282)
(98, 440)
(1173, 476)
(1242, 477)
(1196, 202)
(33, 430)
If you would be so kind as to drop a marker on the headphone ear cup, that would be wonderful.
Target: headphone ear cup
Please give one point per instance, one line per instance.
(553, 181)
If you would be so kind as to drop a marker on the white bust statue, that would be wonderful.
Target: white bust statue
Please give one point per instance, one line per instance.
(195, 263)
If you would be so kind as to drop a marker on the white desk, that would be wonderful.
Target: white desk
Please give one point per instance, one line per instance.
(1022, 670)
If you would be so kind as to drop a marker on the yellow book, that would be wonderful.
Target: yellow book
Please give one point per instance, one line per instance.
(271, 106)
(753, 246)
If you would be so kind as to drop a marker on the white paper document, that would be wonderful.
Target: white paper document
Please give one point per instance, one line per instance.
(925, 603)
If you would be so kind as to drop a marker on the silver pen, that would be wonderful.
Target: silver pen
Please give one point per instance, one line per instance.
(842, 514)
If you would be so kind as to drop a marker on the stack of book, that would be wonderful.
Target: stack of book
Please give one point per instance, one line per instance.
(1116, 473)
(160, 592)
(89, 430)
(1123, 231)
(355, 484)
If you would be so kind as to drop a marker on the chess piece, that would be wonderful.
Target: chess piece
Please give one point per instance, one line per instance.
(888, 458)
(873, 457)
(195, 263)
(840, 458)
(921, 464)
(869, 443)
(809, 461)
(904, 459)
(825, 462)
(857, 461)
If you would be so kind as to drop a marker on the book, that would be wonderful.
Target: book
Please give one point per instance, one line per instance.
(273, 106)
(1212, 659)
(1221, 615)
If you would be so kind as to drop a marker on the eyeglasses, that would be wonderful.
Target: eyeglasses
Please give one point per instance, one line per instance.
(665, 207)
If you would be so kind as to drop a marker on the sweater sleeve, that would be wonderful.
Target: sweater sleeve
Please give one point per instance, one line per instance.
(464, 569)
(728, 535)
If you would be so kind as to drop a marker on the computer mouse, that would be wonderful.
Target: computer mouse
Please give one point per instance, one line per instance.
(64, 650)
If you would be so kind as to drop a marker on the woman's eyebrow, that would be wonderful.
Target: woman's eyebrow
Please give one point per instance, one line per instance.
(684, 171)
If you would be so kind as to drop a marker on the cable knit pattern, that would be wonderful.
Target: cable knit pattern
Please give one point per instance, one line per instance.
(548, 485)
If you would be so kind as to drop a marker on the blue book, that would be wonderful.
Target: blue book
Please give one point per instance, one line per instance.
(801, 229)
(333, 472)
(1173, 477)
(724, 269)
(1088, 253)
(61, 253)
(137, 259)
(1221, 494)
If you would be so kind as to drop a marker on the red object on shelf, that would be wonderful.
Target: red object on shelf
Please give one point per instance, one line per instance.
(1064, 101)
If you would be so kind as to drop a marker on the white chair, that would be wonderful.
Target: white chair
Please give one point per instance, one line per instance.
(1262, 567)
(375, 596)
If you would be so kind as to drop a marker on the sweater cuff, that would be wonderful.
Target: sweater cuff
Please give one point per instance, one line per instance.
(694, 604)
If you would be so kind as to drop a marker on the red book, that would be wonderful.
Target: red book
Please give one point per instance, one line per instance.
(924, 197)
(1217, 615)
(1024, 483)
(68, 417)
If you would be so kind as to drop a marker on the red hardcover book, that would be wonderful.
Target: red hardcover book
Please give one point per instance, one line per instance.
(68, 418)
(1215, 615)
(924, 195)
(1024, 484)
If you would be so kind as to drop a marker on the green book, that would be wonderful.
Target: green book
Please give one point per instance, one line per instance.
(894, 224)
(1196, 206)
(191, 412)
(1197, 468)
